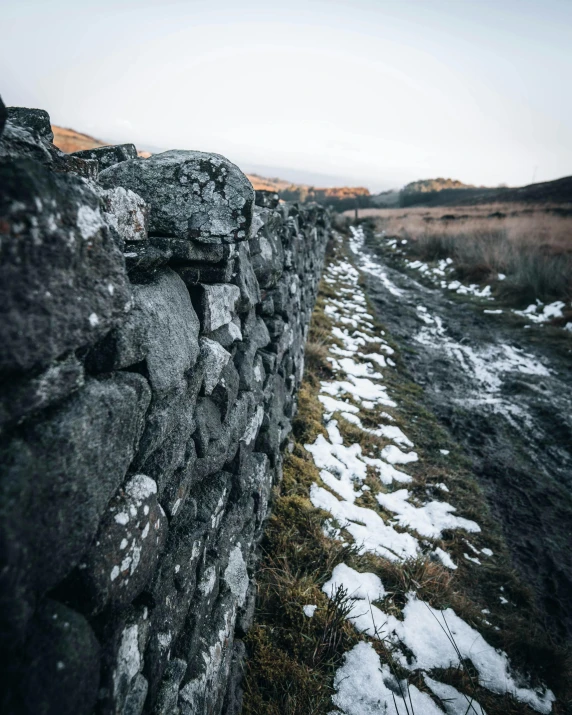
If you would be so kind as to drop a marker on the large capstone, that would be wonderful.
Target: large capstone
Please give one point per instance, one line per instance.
(191, 195)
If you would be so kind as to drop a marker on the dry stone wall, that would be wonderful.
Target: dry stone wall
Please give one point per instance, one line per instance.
(153, 320)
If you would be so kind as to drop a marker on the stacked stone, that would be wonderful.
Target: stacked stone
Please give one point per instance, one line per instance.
(151, 347)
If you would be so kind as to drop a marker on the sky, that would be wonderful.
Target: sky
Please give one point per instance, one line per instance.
(363, 92)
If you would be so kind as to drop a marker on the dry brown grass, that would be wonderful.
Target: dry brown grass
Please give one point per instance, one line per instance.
(532, 246)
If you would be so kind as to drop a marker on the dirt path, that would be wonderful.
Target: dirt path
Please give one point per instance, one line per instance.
(505, 393)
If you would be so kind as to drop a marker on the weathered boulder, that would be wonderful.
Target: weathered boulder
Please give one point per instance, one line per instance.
(191, 195)
(130, 539)
(62, 278)
(57, 478)
(162, 329)
(36, 121)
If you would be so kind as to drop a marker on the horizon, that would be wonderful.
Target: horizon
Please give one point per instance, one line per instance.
(376, 94)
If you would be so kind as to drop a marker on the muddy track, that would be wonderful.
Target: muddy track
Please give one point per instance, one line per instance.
(506, 396)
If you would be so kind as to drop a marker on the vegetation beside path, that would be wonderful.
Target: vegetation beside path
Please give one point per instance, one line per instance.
(293, 658)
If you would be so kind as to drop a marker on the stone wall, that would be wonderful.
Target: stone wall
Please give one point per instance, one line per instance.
(154, 314)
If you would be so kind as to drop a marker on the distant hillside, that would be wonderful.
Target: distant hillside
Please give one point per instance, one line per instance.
(558, 191)
(68, 140)
(424, 186)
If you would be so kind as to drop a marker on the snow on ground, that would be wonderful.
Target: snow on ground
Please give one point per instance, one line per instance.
(490, 366)
(455, 703)
(540, 313)
(429, 520)
(363, 685)
(366, 687)
(535, 313)
(434, 639)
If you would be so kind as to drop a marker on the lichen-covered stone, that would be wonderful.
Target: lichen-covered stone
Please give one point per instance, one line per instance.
(28, 135)
(128, 543)
(62, 279)
(36, 121)
(193, 195)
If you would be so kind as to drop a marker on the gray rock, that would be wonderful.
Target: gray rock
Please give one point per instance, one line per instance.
(135, 700)
(58, 476)
(196, 273)
(127, 213)
(61, 673)
(107, 156)
(27, 135)
(3, 116)
(164, 445)
(166, 703)
(267, 199)
(62, 279)
(172, 331)
(214, 358)
(162, 329)
(179, 485)
(234, 694)
(192, 195)
(27, 395)
(209, 427)
(128, 543)
(245, 279)
(226, 391)
(208, 671)
(36, 121)
(245, 354)
(227, 334)
(124, 642)
(142, 260)
(215, 304)
(184, 250)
